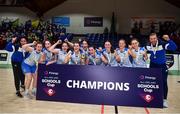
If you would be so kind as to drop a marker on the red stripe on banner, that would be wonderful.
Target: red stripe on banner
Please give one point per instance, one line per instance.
(147, 111)
(102, 109)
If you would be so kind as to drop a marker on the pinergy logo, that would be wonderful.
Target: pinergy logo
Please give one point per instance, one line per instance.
(50, 92)
(145, 77)
(141, 77)
(148, 98)
(46, 73)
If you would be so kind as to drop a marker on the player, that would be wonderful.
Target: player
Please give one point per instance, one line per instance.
(29, 66)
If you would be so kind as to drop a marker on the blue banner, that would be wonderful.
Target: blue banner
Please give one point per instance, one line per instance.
(139, 87)
(63, 21)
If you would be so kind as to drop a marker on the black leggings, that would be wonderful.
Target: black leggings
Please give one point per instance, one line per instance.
(165, 76)
(18, 75)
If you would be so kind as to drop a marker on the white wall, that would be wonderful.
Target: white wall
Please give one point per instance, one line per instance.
(77, 24)
(78, 9)
(22, 13)
(143, 8)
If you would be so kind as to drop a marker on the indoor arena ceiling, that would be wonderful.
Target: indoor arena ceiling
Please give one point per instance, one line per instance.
(42, 6)
(174, 2)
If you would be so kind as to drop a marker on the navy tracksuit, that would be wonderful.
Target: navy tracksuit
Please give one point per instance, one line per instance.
(158, 60)
(16, 59)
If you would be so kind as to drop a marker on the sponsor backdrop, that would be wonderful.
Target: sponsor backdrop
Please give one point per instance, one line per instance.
(139, 87)
(93, 21)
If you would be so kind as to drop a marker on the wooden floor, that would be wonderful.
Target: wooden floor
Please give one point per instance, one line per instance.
(9, 103)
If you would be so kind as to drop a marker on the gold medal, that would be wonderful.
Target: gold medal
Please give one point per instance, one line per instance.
(154, 49)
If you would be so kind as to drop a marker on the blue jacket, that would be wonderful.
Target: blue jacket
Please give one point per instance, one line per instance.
(160, 56)
(18, 55)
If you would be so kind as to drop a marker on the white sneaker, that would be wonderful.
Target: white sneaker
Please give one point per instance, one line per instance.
(34, 93)
(165, 103)
(28, 96)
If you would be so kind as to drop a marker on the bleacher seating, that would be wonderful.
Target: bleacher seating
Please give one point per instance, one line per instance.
(98, 39)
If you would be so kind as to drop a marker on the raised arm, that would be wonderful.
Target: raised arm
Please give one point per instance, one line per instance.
(28, 48)
(69, 43)
(170, 45)
(52, 48)
(10, 45)
(67, 58)
(145, 54)
(104, 59)
(130, 52)
(118, 59)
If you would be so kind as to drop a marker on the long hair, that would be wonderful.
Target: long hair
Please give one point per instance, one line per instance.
(112, 49)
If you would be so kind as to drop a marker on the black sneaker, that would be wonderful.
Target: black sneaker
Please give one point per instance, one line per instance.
(18, 94)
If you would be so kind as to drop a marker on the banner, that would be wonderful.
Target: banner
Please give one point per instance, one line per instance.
(15, 23)
(93, 21)
(169, 60)
(63, 21)
(35, 23)
(3, 56)
(139, 87)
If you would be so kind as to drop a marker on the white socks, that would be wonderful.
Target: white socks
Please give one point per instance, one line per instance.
(34, 91)
(26, 92)
(165, 103)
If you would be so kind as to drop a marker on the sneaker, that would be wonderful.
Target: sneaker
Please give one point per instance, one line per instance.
(18, 94)
(34, 93)
(165, 103)
(28, 96)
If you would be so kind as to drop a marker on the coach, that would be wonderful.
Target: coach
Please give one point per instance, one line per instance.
(157, 49)
(15, 46)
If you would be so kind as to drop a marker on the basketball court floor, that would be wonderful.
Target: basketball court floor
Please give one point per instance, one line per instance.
(9, 103)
